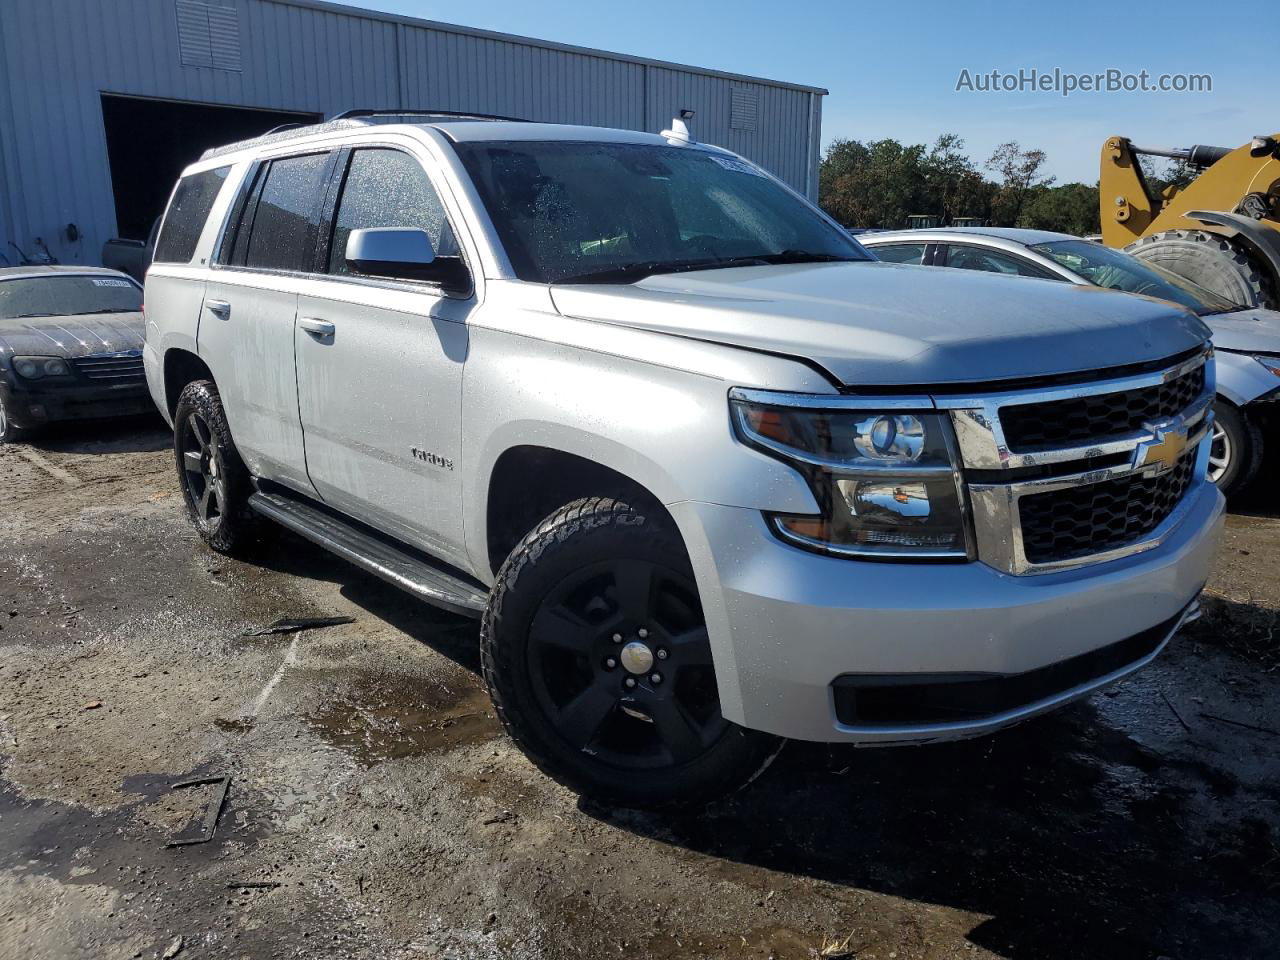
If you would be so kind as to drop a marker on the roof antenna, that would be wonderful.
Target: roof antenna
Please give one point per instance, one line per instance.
(679, 132)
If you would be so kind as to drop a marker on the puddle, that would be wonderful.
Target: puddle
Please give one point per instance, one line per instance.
(395, 716)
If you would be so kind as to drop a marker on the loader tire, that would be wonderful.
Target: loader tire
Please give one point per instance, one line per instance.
(1213, 262)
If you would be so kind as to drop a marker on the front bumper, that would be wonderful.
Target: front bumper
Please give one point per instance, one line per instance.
(33, 405)
(785, 623)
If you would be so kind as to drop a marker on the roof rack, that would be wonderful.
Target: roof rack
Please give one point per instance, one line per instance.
(346, 120)
(361, 112)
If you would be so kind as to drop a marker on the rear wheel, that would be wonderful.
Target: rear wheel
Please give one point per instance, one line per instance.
(1211, 261)
(596, 654)
(1235, 451)
(214, 480)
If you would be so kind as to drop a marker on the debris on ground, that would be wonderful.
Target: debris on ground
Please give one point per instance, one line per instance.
(92, 705)
(173, 949)
(223, 782)
(296, 625)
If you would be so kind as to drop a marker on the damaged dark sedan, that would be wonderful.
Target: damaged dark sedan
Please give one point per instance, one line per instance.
(70, 347)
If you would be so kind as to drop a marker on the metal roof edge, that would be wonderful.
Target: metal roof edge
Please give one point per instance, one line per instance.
(379, 15)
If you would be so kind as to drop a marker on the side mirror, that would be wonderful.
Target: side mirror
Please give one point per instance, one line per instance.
(404, 254)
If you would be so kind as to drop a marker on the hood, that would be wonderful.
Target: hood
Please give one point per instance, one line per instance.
(67, 337)
(1246, 331)
(882, 324)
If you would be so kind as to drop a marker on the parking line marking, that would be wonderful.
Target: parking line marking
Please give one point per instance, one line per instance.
(290, 658)
(55, 471)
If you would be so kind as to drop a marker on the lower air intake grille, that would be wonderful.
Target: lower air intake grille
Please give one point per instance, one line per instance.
(1077, 522)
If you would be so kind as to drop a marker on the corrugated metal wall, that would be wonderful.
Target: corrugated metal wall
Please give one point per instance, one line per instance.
(58, 56)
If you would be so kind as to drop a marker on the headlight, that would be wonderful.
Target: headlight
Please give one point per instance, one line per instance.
(886, 481)
(37, 368)
(1271, 363)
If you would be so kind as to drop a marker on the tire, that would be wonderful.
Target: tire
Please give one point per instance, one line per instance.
(215, 482)
(1213, 262)
(9, 431)
(1236, 451)
(592, 606)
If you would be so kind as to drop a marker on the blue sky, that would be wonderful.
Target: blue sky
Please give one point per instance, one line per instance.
(892, 68)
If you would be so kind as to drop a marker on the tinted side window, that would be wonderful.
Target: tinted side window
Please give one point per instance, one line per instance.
(899, 252)
(978, 258)
(387, 188)
(188, 211)
(281, 236)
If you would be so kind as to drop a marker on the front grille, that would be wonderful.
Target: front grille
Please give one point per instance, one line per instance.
(908, 700)
(1095, 419)
(120, 367)
(1079, 521)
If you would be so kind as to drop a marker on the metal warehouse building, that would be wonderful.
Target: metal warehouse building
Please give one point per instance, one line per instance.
(102, 102)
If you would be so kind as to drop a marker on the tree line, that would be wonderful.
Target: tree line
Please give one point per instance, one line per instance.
(880, 183)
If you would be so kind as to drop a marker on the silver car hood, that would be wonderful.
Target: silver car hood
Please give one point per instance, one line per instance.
(1246, 331)
(882, 324)
(78, 336)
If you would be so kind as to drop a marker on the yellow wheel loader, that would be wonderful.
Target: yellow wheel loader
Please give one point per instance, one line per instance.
(1222, 230)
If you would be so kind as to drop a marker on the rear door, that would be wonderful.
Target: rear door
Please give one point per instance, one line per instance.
(250, 304)
(380, 362)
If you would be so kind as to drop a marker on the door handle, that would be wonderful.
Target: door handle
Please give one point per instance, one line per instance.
(219, 308)
(318, 328)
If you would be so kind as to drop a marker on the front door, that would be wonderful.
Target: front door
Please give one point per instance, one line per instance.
(380, 366)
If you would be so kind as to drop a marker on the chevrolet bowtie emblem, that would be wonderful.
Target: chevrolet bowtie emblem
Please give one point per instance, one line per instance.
(1161, 453)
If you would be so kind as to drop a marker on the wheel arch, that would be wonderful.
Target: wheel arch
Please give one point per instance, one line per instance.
(181, 367)
(528, 482)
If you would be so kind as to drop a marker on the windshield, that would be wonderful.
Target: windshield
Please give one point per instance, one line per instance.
(1104, 267)
(66, 295)
(616, 212)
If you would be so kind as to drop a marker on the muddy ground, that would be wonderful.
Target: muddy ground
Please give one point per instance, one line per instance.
(377, 811)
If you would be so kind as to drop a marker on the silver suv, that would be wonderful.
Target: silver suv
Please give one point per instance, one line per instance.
(710, 475)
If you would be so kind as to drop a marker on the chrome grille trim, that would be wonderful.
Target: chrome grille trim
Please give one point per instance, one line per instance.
(995, 507)
(126, 365)
(981, 436)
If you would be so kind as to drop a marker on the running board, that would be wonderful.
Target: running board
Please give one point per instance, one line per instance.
(371, 552)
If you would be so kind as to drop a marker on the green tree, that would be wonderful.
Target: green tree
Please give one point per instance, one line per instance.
(1018, 174)
(1070, 208)
(874, 184)
(949, 179)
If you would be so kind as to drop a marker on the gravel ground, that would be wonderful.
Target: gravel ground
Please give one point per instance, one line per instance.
(377, 811)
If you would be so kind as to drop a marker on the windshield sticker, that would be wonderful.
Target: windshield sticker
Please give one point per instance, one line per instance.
(737, 166)
(110, 282)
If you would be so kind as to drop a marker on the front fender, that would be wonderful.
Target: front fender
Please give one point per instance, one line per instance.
(665, 428)
(1241, 379)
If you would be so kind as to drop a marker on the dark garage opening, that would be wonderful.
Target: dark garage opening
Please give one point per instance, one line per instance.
(150, 141)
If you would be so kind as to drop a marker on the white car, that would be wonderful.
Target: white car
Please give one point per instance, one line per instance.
(1247, 339)
(710, 475)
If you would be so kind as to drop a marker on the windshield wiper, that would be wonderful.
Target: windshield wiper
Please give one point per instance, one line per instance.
(805, 256)
(28, 316)
(633, 272)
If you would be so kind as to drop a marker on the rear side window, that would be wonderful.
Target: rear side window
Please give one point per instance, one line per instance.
(387, 188)
(899, 252)
(188, 211)
(278, 232)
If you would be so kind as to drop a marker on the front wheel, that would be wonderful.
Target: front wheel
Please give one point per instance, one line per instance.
(596, 654)
(9, 431)
(1235, 450)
